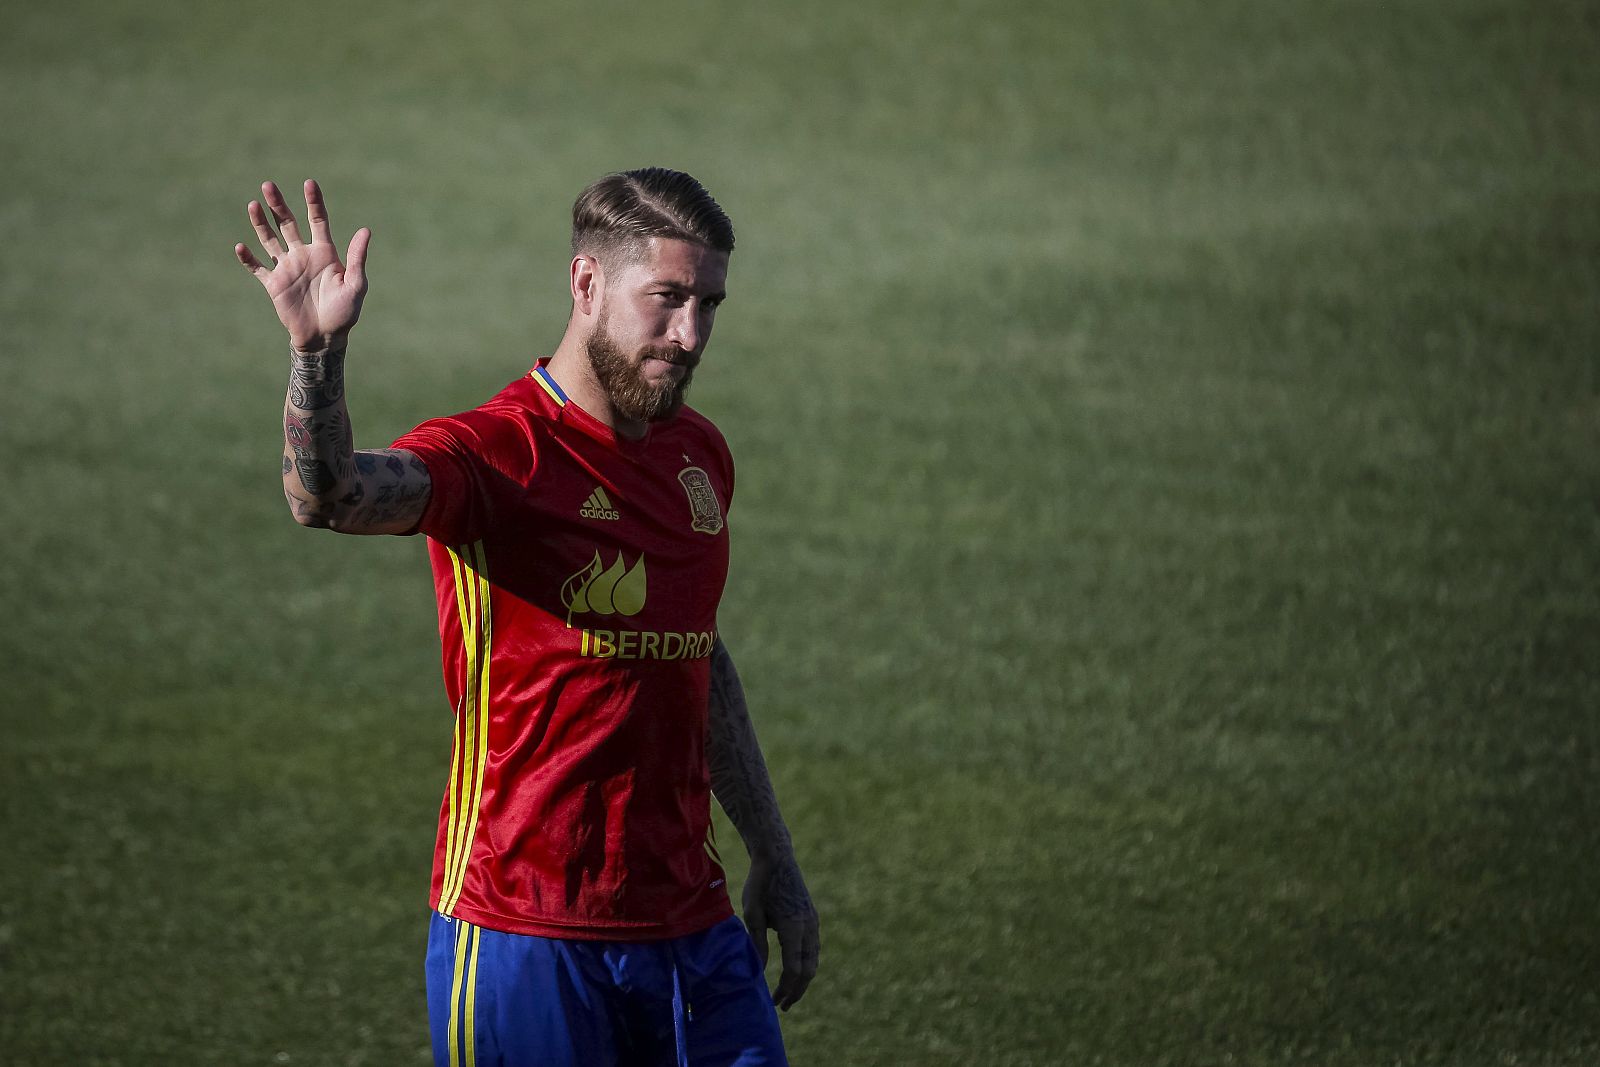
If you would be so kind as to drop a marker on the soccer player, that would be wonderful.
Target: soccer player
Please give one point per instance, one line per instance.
(576, 527)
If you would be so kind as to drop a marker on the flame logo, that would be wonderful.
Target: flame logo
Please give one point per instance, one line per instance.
(601, 590)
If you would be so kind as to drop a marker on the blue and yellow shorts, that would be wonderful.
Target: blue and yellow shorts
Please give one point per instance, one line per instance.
(513, 999)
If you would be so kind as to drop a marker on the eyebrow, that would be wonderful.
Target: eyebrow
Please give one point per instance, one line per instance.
(719, 296)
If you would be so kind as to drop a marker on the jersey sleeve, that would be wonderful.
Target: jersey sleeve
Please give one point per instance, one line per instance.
(472, 459)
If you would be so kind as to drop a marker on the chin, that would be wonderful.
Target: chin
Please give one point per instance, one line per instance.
(670, 411)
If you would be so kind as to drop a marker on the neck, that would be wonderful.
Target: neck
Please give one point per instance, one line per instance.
(571, 369)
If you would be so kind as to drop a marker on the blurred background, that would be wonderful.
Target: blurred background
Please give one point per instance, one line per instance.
(1166, 559)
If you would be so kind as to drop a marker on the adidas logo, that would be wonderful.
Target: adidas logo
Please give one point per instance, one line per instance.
(598, 506)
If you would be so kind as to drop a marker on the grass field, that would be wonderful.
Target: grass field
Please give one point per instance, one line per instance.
(1167, 555)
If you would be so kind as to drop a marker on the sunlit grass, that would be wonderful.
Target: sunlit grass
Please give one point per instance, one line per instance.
(1167, 566)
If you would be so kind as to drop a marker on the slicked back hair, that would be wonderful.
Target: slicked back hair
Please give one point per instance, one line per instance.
(615, 216)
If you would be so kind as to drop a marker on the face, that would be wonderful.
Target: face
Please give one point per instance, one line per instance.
(653, 321)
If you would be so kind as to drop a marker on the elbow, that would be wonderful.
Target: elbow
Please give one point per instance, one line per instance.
(309, 513)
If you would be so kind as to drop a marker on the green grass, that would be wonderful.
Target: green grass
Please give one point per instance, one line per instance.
(1167, 556)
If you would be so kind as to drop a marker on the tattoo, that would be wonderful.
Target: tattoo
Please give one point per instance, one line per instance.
(349, 490)
(787, 896)
(738, 772)
(316, 381)
(398, 490)
(297, 431)
(314, 475)
(319, 440)
(739, 778)
(343, 437)
(306, 512)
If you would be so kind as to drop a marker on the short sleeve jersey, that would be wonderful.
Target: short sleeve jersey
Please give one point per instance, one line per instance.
(578, 575)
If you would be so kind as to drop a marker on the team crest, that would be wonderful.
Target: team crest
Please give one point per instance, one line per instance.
(702, 500)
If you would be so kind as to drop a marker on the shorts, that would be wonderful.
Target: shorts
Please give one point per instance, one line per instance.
(515, 1000)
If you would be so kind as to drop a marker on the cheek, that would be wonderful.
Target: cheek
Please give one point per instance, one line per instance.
(643, 324)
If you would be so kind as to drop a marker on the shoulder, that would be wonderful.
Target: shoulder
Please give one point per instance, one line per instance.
(502, 432)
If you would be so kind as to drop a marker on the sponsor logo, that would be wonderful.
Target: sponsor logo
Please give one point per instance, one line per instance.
(645, 644)
(702, 500)
(600, 590)
(620, 590)
(598, 506)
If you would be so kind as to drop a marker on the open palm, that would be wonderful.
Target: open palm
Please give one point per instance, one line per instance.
(317, 297)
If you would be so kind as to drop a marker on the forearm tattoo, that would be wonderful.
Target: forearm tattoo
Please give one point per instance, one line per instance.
(327, 482)
(317, 437)
(316, 381)
(738, 771)
(744, 789)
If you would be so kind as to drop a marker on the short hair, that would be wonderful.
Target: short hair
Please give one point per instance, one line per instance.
(617, 214)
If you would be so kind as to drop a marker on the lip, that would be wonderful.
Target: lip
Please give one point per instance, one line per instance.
(675, 366)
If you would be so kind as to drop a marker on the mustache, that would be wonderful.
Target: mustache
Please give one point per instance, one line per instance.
(676, 357)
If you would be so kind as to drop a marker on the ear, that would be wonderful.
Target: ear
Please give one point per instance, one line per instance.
(587, 283)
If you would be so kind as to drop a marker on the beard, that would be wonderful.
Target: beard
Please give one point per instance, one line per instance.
(623, 379)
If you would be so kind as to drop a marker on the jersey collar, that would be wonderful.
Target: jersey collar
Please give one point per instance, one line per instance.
(574, 414)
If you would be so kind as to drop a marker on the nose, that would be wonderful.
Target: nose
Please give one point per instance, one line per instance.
(685, 331)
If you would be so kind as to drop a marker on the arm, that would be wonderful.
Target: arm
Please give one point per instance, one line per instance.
(318, 299)
(775, 894)
(325, 480)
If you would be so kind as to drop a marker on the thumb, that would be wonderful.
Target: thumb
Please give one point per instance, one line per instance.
(355, 260)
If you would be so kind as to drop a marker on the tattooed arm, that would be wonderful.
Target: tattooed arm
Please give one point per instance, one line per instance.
(775, 895)
(318, 300)
(326, 482)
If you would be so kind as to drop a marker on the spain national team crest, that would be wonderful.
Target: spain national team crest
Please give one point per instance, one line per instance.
(702, 500)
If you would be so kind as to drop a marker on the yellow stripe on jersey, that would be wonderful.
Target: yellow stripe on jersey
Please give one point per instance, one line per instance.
(455, 773)
(459, 744)
(479, 567)
(466, 592)
(470, 753)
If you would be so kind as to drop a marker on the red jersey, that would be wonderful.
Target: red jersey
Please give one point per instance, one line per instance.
(578, 575)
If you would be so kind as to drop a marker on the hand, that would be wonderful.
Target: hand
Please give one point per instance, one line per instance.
(318, 299)
(775, 897)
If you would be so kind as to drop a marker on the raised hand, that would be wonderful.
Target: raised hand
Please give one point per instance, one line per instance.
(318, 298)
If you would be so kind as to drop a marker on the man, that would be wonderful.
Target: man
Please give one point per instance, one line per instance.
(576, 526)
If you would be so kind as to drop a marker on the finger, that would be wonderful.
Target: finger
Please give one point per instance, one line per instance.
(810, 952)
(264, 231)
(248, 259)
(317, 213)
(281, 212)
(355, 260)
(792, 983)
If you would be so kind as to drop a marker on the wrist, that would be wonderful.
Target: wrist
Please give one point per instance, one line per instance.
(771, 852)
(319, 347)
